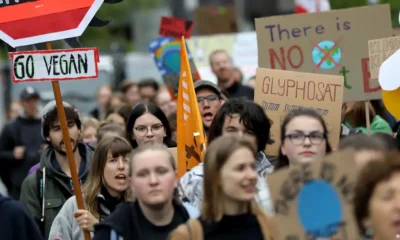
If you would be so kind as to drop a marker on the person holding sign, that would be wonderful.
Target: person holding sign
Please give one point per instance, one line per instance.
(376, 199)
(236, 117)
(45, 191)
(230, 186)
(157, 210)
(304, 136)
(105, 189)
(147, 123)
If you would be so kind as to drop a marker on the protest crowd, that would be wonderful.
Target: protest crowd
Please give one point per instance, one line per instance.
(271, 157)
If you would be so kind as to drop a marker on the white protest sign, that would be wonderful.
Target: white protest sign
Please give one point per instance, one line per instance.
(389, 72)
(68, 64)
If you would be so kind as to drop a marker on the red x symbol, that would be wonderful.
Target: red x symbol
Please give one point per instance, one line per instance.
(326, 55)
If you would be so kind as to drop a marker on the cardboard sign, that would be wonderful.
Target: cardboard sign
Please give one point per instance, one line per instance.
(30, 22)
(71, 64)
(334, 42)
(166, 52)
(215, 20)
(379, 51)
(240, 46)
(279, 91)
(314, 200)
(175, 27)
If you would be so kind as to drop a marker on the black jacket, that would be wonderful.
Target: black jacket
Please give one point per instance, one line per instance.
(16, 222)
(19, 132)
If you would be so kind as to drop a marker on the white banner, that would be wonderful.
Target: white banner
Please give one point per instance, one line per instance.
(52, 65)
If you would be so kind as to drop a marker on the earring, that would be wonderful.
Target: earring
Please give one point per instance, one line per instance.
(369, 232)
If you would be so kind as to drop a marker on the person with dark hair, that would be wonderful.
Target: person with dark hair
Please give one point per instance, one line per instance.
(148, 89)
(16, 222)
(209, 98)
(368, 147)
(119, 115)
(45, 191)
(172, 124)
(131, 92)
(104, 94)
(147, 123)
(235, 117)
(20, 142)
(109, 129)
(376, 198)
(304, 136)
(157, 210)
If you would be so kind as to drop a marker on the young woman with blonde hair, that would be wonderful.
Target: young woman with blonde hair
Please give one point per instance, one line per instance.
(105, 189)
(229, 210)
(157, 210)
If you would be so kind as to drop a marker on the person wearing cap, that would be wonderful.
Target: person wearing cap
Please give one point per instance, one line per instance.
(209, 98)
(20, 142)
(45, 191)
(228, 76)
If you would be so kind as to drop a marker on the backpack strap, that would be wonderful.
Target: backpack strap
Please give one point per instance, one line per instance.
(40, 182)
(195, 229)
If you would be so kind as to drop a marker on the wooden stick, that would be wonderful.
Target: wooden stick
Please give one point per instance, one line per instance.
(367, 119)
(68, 146)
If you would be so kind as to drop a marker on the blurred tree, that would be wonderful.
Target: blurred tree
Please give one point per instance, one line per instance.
(394, 6)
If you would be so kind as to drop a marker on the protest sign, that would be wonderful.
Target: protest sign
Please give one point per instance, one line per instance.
(239, 46)
(334, 42)
(314, 200)
(215, 20)
(379, 51)
(279, 91)
(166, 52)
(71, 64)
(175, 27)
(31, 22)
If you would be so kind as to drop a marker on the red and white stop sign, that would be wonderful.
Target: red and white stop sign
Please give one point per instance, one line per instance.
(27, 22)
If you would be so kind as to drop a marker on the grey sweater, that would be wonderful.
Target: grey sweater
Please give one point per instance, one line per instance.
(64, 225)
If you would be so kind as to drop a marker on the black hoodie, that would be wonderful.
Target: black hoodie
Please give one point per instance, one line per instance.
(15, 221)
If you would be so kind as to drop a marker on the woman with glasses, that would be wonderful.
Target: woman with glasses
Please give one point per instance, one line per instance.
(147, 123)
(304, 136)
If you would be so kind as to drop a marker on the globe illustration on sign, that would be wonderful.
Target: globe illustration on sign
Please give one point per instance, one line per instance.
(322, 59)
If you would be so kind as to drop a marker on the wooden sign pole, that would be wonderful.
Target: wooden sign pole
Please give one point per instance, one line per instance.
(68, 146)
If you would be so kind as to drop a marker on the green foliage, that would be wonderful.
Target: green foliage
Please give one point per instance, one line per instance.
(394, 6)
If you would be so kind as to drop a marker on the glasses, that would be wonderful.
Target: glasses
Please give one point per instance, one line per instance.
(143, 130)
(299, 138)
(209, 98)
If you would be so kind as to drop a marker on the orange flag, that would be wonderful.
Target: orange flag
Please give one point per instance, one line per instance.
(190, 135)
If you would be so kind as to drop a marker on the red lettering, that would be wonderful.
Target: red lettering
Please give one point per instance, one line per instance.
(281, 59)
(308, 90)
(303, 89)
(366, 75)
(289, 85)
(283, 87)
(300, 55)
(273, 56)
(265, 88)
(321, 98)
(328, 90)
(272, 87)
